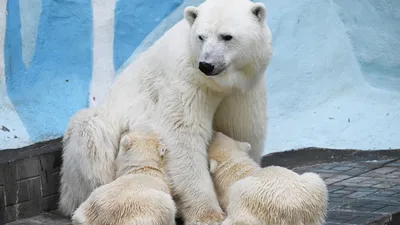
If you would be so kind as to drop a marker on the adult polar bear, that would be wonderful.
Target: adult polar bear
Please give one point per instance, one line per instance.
(206, 72)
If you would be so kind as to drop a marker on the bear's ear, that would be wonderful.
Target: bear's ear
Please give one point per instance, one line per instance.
(244, 146)
(190, 14)
(258, 10)
(126, 142)
(213, 165)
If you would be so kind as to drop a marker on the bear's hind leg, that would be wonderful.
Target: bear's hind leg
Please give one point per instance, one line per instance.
(90, 145)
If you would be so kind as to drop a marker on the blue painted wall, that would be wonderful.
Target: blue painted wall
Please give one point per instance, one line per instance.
(55, 84)
(334, 79)
(134, 20)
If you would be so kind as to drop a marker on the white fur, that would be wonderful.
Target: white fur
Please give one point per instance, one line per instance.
(274, 195)
(139, 195)
(164, 86)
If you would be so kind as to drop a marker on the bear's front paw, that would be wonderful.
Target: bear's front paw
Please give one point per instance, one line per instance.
(211, 218)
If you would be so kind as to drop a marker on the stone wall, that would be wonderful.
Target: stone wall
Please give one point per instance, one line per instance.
(29, 180)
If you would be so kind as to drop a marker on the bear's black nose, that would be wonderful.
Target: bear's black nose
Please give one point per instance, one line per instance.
(206, 68)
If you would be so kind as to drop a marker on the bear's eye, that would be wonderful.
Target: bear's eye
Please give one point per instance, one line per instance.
(226, 37)
(200, 38)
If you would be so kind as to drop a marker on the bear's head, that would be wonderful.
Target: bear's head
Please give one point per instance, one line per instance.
(229, 41)
(139, 148)
(222, 149)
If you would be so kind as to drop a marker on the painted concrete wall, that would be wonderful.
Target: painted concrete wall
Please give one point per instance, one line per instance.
(334, 80)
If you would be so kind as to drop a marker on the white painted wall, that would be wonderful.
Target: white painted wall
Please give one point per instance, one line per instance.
(9, 119)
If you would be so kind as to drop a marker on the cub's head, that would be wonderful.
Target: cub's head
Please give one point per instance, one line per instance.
(229, 37)
(223, 149)
(139, 148)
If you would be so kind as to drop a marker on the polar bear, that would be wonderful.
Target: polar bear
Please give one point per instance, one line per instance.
(139, 195)
(206, 72)
(274, 195)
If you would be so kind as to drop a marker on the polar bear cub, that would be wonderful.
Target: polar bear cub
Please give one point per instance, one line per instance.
(139, 195)
(251, 195)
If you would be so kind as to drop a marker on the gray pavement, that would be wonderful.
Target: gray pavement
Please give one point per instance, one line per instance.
(361, 193)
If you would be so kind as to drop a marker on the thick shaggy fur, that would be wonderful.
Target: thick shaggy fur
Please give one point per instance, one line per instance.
(139, 195)
(165, 86)
(274, 195)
